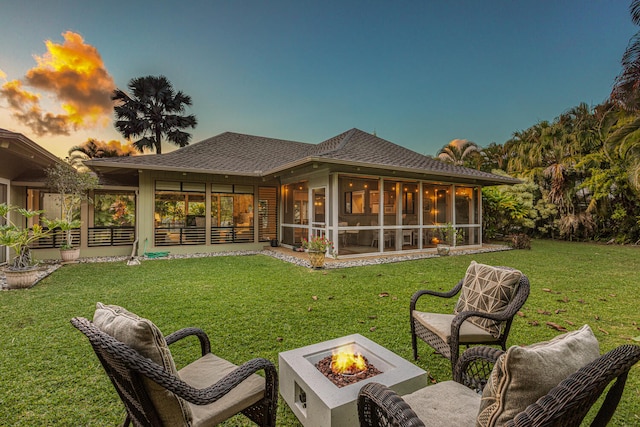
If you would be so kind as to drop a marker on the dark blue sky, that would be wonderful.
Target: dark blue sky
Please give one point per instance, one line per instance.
(418, 73)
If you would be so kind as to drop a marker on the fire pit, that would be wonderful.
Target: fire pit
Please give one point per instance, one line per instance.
(321, 397)
(346, 366)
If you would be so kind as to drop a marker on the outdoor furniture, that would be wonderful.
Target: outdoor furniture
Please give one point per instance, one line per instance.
(564, 400)
(489, 299)
(136, 357)
(387, 235)
(319, 402)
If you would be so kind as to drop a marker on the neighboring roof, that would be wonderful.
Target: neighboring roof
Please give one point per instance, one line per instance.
(239, 154)
(21, 159)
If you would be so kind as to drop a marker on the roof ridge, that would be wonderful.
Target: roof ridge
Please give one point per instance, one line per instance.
(340, 145)
(346, 139)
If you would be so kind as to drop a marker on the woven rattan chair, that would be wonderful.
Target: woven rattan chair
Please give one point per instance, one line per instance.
(447, 332)
(134, 375)
(565, 405)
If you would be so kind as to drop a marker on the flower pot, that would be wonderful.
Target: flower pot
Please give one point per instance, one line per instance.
(443, 250)
(21, 279)
(316, 258)
(69, 255)
(274, 243)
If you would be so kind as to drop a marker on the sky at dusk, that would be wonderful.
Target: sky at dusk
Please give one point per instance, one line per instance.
(417, 73)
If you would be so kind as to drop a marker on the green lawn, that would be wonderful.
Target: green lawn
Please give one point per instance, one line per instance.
(259, 306)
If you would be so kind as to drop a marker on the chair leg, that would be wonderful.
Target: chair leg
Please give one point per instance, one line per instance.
(414, 341)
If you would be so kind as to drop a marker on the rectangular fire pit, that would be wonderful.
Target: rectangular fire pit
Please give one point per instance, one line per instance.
(317, 402)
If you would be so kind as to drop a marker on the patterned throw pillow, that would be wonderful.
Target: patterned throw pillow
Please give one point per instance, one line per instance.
(522, 375)
(488, 289)
(143, 336)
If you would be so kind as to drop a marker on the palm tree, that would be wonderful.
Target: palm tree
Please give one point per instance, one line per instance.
(626, 88)
(94, 149)
(458, 151)
(153, 111)
(495, 156)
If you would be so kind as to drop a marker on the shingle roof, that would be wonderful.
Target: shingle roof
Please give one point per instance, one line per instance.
(240, 154)
(225, 153)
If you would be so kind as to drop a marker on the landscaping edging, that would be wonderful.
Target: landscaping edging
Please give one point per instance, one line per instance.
(50, 267)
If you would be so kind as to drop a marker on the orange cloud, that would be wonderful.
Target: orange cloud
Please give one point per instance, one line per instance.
(73, 74)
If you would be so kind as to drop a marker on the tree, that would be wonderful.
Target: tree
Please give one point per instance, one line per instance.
(73, 188)
(94, 149)
(626, 87)
(458, 151)
(154, 111)
(495, 156)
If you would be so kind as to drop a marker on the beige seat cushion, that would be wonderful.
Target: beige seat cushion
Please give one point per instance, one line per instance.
(522, 375)
(144, 337)
(206, 371)
(440, 324)
(487, 289)
(445, 404)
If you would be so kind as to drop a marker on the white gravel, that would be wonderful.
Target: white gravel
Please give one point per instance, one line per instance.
(49, 266)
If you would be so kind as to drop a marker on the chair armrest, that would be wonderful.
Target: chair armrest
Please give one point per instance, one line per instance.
(203, 396)
(205, 345)
(380, 406)
(475, 366)
(231, 380)
(449, 294)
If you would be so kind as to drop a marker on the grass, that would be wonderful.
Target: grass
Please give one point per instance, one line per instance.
(258, 306)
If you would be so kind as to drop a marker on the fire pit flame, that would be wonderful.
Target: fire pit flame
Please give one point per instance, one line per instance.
(348, 362)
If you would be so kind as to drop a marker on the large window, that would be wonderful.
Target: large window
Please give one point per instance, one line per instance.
(114, 219)
(181, 213)
(231, 214)
(114, 209)
(51, 204)
(296, 212)
(178, 207)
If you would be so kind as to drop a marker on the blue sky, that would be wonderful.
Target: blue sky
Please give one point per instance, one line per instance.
(418, 73)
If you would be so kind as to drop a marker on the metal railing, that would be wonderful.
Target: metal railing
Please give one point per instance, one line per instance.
(171, 236)
(111, 236)
(56, 240)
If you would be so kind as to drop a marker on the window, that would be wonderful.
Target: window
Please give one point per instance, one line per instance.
(113, 219)
(179, 213)
(232, 214)
(114, 209)
(51, 204)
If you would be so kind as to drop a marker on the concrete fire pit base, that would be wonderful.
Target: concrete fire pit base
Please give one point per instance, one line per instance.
(317, 402)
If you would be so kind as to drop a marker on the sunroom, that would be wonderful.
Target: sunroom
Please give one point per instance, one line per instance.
(376, 214)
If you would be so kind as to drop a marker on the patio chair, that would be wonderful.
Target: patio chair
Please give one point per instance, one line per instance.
(489, 299)
(136, 357)
(564, 400)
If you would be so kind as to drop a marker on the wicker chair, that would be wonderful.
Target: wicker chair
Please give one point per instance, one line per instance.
(565, 405)
(132, 374)
(447, 332)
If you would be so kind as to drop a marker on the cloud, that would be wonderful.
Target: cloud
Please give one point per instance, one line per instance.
(74, 76)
